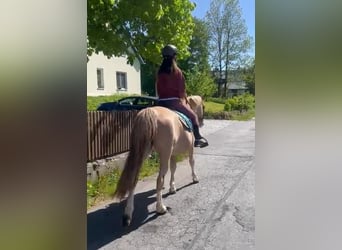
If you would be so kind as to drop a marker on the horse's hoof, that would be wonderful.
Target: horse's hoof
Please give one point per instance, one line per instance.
(162, 210)
(172, 191)
(126, 220)
(195, 181)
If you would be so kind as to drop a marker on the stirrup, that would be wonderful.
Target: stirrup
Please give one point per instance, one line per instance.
(202, 142)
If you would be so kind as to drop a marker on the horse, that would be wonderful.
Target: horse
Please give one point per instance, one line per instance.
(160, 129)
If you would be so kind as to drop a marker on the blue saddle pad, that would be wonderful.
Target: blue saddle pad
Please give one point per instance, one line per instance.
(185, 120)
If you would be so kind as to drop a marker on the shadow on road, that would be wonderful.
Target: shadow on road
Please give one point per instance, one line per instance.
(179, 189)
(105, 225)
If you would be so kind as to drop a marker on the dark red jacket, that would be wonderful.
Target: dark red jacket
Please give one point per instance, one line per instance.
(171, 85)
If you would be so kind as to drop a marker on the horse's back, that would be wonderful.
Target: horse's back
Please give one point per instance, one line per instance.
(170, 131)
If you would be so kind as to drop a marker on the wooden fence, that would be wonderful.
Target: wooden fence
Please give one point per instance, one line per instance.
(108, 133)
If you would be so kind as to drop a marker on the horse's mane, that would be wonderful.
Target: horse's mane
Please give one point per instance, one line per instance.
(196, 99)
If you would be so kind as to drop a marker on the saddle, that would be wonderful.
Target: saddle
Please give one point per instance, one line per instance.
(185, 121)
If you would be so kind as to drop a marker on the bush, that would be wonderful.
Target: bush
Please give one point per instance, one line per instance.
(199, 83)
(241, 103)
(227, 106)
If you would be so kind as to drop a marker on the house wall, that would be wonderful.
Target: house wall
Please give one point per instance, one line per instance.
(110, 67)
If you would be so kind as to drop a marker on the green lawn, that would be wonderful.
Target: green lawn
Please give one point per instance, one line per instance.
(213, 107)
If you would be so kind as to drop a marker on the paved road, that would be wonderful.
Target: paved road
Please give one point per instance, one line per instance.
(216, 213)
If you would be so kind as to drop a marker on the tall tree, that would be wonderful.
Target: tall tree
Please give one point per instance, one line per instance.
(135, 27)
(215, 25)
(229, 41)
(198, 48)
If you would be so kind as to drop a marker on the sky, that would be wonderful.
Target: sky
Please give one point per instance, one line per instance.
(248, 13)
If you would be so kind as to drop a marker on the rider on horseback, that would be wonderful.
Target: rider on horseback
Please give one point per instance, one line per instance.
(170, 86)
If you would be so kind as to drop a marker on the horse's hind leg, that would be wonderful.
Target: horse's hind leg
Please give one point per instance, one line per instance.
(192, 164)
(127, 217)
(173, 166)
(164, 165)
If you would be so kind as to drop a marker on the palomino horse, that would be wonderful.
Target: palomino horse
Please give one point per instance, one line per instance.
(160, 129)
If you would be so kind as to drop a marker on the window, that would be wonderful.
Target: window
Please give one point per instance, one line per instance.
(121, 80)
(100, 83)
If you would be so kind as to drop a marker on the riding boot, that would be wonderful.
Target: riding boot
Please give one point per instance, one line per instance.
(199, 140)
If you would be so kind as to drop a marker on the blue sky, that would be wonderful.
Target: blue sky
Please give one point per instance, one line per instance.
(248, 13)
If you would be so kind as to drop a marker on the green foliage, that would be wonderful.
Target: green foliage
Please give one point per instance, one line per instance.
(228, 106)
(139, 27)
(148, 78)
(199, 83)
(241, 103)
(215, 110)
(249, 77)
(150, 166)
(92, 189)
(199, 52)
(229, 41)
(104, 188)
(217, 100)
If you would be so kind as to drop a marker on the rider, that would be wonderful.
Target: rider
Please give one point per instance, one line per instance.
(170, 86)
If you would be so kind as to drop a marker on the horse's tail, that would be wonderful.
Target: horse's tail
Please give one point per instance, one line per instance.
(143, 132)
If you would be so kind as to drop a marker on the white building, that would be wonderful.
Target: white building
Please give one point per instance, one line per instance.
(112, 76)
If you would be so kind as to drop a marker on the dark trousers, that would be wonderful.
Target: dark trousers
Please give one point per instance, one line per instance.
(180, 107)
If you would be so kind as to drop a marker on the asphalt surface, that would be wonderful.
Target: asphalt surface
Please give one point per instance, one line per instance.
(216, 213)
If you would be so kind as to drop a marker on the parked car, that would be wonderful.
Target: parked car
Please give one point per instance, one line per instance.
(129, 103)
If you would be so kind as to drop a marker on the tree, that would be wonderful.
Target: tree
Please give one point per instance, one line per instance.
(148, 78)
(249, 77)
(215, 25)
(137, 27)
(228, 38)
(199, 82)
(199, 53)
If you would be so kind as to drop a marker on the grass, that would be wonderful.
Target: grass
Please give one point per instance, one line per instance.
(94, 101)
(215, 110)
(150, 166)
(213, 107)
(105, 187)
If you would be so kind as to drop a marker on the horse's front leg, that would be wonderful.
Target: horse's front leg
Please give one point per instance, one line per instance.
(192, 164)
(173, 166)
(127, 217)
(164, 165)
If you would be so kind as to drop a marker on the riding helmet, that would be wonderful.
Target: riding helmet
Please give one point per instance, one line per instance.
(169, 50)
